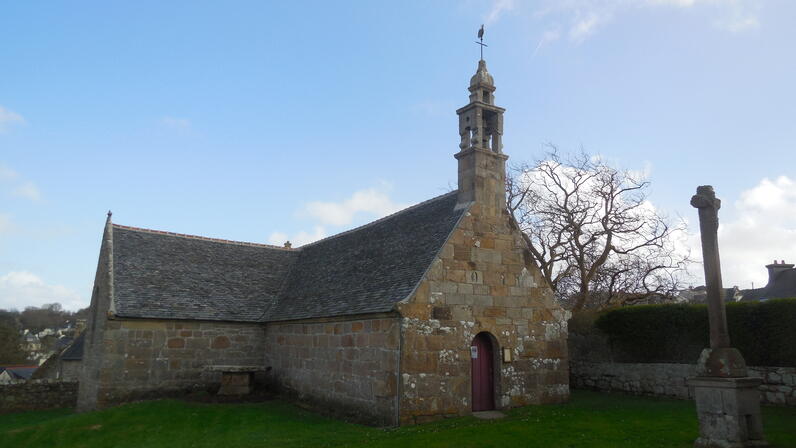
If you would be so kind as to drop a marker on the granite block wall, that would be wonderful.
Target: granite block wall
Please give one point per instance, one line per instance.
(156, 358)
(349, 367)
(34, 395)
(482, 281)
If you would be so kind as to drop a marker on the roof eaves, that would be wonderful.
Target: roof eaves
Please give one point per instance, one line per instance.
(335, 315)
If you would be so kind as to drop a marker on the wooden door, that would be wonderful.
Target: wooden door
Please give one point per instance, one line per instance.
(482, 359)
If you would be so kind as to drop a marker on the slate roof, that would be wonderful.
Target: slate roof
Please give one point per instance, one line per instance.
(164, 275)
(20, 372)
(368, 269)
(173, 276)
(75, 351)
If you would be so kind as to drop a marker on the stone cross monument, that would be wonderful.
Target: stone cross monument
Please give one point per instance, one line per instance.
(727, 400)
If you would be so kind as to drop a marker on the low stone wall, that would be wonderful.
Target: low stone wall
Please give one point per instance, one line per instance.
(34, 395)
(349, 367)
(779, 383)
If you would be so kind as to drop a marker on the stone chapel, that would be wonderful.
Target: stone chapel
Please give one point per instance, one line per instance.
(437, 310)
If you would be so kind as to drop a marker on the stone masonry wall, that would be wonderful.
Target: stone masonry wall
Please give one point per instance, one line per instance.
(34, 395)
(779, 383)
(93, 346)
(482, 281)
(69, 370)
(155, 358)
(349, 366)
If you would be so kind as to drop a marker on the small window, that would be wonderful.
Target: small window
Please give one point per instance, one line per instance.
(486, 96)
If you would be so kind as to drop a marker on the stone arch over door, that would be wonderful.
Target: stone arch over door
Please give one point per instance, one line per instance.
(484, 371)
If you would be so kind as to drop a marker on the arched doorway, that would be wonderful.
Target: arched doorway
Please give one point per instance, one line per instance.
(482, 357)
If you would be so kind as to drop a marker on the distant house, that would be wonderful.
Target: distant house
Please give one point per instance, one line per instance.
(65, 364)
(632, 299)
(31, 342)
(781, 284)
(14, 374)
(699, 294)
(71, 360)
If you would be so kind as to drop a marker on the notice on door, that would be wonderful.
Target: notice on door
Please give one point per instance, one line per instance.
(473, 352)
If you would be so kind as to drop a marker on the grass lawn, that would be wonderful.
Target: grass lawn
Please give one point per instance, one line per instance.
(590, 419)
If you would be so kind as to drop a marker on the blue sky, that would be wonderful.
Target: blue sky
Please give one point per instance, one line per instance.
(263, 121)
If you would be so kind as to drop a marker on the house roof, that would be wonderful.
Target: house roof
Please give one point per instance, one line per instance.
(164, 275)
(782, 286)
(20, 372)
(75, 351)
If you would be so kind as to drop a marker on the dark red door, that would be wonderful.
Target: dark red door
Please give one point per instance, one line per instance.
(483, 384)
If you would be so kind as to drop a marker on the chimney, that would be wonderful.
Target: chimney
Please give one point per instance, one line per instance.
(288, 245)
(774, 270)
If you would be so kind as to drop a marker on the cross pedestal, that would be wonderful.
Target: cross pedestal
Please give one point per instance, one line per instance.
(729, 412)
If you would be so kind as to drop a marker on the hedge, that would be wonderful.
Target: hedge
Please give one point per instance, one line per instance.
(764, 332)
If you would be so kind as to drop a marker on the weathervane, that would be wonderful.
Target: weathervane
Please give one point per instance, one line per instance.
(481, 43)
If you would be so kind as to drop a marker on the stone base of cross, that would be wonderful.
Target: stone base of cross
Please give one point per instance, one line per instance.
(727, 401)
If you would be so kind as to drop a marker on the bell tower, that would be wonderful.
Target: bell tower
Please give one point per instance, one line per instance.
(482, 164)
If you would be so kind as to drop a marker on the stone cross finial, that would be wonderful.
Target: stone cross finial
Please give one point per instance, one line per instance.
(705, 198)
(708, 204)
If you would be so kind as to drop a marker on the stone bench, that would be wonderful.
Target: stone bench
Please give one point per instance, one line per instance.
(236, 380)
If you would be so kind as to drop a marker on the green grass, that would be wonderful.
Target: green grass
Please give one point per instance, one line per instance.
(589, 420)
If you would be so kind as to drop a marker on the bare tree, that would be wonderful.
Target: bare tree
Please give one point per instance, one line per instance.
(592, 232)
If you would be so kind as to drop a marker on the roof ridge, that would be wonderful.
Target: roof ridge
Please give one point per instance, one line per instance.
(203, 238)
(382, 219)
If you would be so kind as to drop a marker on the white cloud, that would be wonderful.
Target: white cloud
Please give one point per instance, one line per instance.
(497, 9)
(584, 26)
(548, 37)
(586, 17)
(19, 289)
(9, 118)
(298, 239)
(370, 202)
(5, 223)
(738, 17)
(7, 174)
(18, 187)
(763, 228)
(27, 190)
(680, 3)
(176, 123)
